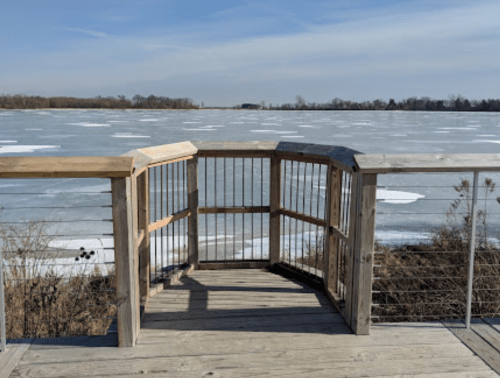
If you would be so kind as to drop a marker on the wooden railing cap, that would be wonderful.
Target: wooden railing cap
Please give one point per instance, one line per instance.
(66, 166)
(385, 163)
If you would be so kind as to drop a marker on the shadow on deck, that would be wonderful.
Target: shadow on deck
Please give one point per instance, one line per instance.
(249, 323)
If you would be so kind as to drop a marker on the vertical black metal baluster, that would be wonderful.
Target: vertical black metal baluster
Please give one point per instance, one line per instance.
(168, 234)
(297, 210)
(234, 204)
(156, 237)
(184, 200)
(161, 217)
(173, 212)
(310, 213)
(324, 215)
(243, 215)
(225, 214)
(303, 211)
(290, 220)
(317, 216)
(251, 191)
(261, 204)
(206, 215)
(215, 204)
(178, 164)
(284, 206)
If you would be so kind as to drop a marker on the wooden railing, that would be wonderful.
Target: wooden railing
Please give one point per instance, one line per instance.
(345, 217)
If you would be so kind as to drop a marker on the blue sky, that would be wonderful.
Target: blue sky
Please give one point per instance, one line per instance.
(228, 52)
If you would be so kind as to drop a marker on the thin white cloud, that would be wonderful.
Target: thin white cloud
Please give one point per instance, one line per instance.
(93, 33)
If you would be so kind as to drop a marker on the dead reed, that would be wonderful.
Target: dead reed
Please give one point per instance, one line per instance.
(42, 302)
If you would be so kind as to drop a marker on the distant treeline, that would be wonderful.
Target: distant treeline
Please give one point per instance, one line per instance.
(98, 102)
(454, 103)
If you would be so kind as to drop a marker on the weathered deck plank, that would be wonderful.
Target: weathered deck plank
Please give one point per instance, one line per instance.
(252, 323)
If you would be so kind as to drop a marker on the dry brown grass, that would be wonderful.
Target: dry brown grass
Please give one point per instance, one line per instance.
(41, 302)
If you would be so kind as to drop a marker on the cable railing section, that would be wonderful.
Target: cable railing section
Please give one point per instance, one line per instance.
(423, 252)
(436, 253)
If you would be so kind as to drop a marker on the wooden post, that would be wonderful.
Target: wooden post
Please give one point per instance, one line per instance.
(127, 278)
(274, 215)
(144, 256)
(331, 267)
(351, 247)
(361, 295)
(192, 172)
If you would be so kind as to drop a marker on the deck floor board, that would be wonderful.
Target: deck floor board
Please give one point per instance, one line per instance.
(249, 323)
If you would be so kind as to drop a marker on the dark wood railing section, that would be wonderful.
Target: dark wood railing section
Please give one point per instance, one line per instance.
(347, 225)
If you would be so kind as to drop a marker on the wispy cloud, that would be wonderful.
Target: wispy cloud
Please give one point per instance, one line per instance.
(92, 33)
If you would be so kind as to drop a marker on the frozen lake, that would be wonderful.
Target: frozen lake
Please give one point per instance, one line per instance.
(114, 132)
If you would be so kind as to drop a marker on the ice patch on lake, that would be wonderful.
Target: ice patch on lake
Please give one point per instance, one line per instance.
(200, 129)
(27, 148)
(148, 120)
(88, 124)
(8, 141)
(390, 196)
(117, 121)
(191, 122)
(33, 129)
(486, 135)
(273, 132)
(129, 135)
(485, 141)
(308, 126)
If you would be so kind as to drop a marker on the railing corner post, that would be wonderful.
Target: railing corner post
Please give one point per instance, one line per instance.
(192, 169)
(275, 207)
(127, 279)
(362, 259)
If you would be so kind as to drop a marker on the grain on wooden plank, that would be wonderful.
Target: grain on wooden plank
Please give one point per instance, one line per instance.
(249, 347)
(475, 343)
(234, 210)
(245, 323)
(494, 322)
(66, 166)
(232, 265)
(9, 359)
(286, 364)
(228, 313)
(487, 332)
(385, 163)
(167, 152)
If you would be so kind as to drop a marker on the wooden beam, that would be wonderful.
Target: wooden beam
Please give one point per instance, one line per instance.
(331, 258)
(339, 234)
(303, 217)
(66, 166)
(234, 210)
(170, 219)
(233, 265)
(306, 159)
(172, 161)
(363, 254)
(144, 255)
(382, 163)
(349, 252)
(192, 173)
(235, 154)
(127, 279)
(275, 215)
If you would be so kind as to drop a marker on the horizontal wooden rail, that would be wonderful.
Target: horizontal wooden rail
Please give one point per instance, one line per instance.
(235, 154)
(382, 163)
(306, 159)
(234, 210)
(66, 166)
(170, 219)
(303, 217)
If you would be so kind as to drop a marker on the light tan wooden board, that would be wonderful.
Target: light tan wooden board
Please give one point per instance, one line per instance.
(52, 356)
(385, 163)
(494, 322)
(474, 342)
(249, 364)
(487, 333)
(9, 359)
